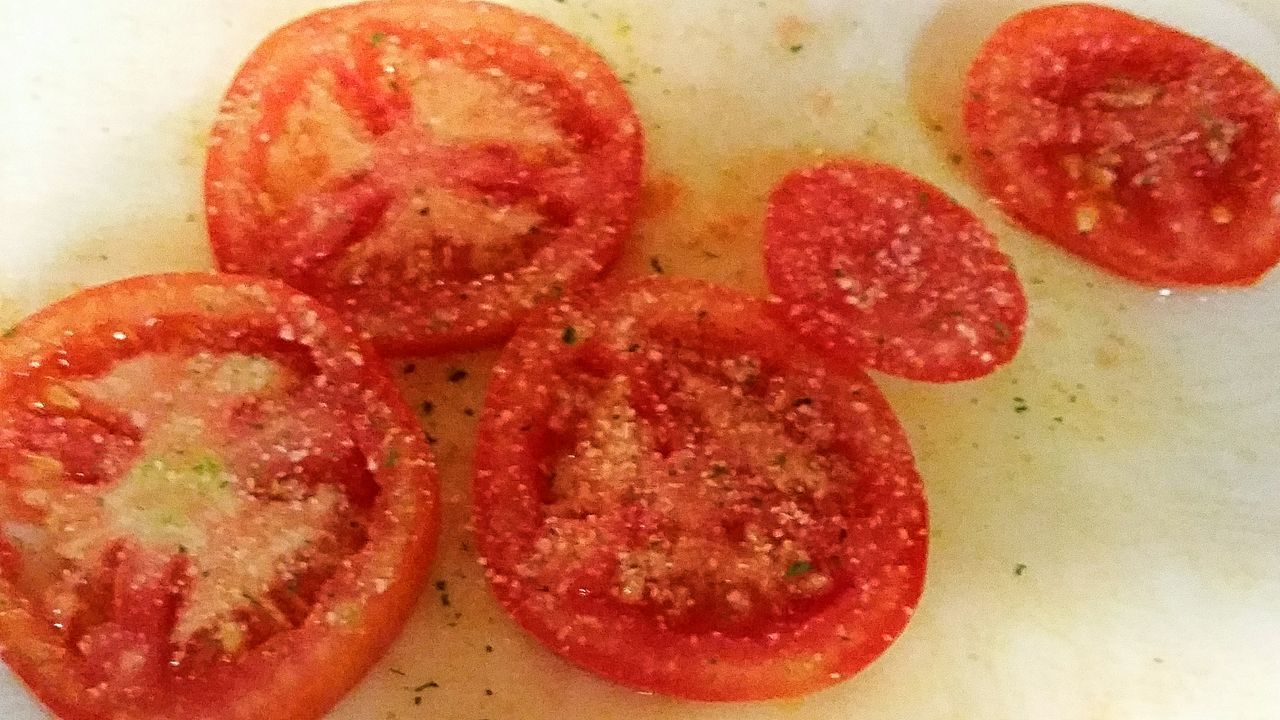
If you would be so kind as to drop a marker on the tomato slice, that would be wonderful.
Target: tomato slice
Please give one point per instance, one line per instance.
(213, 503)
(670, 494)
(430, 168)
(1144, 150)
(882, 269)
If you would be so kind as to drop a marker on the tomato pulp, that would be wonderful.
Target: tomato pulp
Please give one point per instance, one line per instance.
(432, 169)
(672, 495)
(881, 269)
(1142, 149)
(213, 502)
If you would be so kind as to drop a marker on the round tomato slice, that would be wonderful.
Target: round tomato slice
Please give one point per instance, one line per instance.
(1142, 149)
(213, 503)
(879, 268)
(670, 494)
(430, 168)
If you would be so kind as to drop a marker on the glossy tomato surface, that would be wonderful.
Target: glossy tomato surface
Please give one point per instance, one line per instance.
(214, 503)
(671, 494)
(431, 169)
(1140, 148)
(882, 269)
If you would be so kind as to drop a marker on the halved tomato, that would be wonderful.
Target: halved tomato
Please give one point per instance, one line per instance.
(671, 494)
(430, 168)
(882, 269)
(1140, 148)
(213, 503)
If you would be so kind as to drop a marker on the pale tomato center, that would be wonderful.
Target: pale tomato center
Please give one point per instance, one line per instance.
(433, 225)
(218, 485)
(718, 508)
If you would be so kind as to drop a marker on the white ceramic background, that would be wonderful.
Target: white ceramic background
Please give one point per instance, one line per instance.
(1112, 552)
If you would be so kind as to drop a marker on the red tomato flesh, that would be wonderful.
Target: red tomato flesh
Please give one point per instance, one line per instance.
(670, 494)
(213, 503)
(879, 268)
(1142, 149)
(432, 169)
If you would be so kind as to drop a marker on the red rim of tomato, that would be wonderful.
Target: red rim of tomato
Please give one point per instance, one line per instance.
(1140, 148)
(116, 630)
(445, 228)
(644, 422)
(877, 267)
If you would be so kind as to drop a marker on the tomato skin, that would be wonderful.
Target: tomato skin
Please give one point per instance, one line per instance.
(808, 649)
(592, 201)
(299, 673)
(879, 269)
(1146, 151)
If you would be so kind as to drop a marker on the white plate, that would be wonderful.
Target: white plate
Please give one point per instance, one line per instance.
(1111, 552)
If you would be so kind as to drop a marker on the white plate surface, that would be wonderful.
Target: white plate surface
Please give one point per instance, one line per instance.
(1111, 552)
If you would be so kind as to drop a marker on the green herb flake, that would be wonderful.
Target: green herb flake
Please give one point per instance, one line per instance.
(393, 457)
(457, 375)
(796, 48)
(426, 685)
(570, 335)
(656, 264)
(1020, 405)
(1020, 569)
(377, 37)
(800, 567)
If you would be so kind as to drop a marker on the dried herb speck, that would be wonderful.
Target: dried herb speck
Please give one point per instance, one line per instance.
(799, 568)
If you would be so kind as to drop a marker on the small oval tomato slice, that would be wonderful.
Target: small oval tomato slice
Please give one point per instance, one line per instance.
(432, 168)
(213, 503)
(882, 269)
(1144, 150)
(672, 495)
